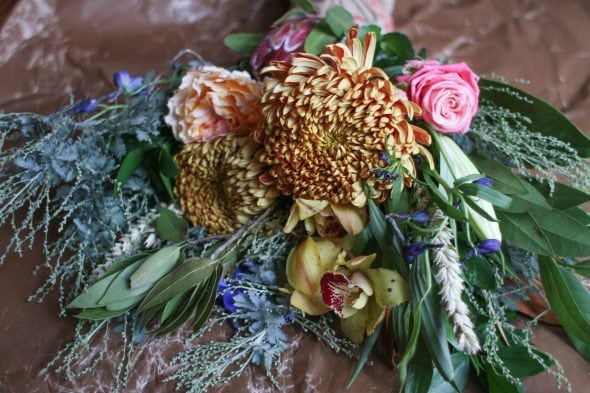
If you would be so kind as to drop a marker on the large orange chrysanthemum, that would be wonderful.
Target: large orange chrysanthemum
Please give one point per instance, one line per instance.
(327, 119)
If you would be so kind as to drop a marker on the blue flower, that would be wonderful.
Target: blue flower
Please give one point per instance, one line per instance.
(485, 181)
(420, 216)
(126, 83)
(487, 246)
(417, 248)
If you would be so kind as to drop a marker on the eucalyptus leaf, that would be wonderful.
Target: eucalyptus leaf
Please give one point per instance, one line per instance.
(205, 305)
(125, 304)
(123, 263)
(155, 267)
(186, 312)
(568, 297)
(170, 226)
(339, 20)
(184, 277)
(172, 305)
(545, 119)
(243, 42)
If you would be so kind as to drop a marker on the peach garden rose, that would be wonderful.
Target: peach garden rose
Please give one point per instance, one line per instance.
(448, 94)
(212, 102)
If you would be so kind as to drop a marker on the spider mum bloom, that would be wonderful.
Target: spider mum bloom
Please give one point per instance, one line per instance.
(328, 118)
(212, 102)
(218, 185)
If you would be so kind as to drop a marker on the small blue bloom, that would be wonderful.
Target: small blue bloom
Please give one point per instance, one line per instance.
(485, 181)
(384, 157)
(127, 83)
(487, 246)
(420, 216)
(85, 106)
(417, 248)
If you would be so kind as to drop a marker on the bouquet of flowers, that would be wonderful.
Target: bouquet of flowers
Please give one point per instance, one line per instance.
(335, 180)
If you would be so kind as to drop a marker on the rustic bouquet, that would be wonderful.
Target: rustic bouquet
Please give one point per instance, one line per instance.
(335, 181)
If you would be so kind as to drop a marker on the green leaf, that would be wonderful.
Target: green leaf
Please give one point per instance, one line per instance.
(479, 272)
(475, 206)
(582, 268)
(123, 263)
(408, 365)
(391, 256)
(569, 299)
(130, 163)
(243, 42)
(364, 29)
(365, 351)
(155, 267)
(305, 5)
(545, 119)
(205, 305)
(529, 200)
(505, 180)
(166, 163)
(462, 367)
(563, 197)
(468, 179)
(317, 39)
(125, 304)
(433, 319)
(441, 200)
(119, 289)
(420, 373)
(499, 384)
(170, 226)
(90, 297)
(398, 44)
(496, 198)
(339, 20)
(187, 311)
(566, 236)
(97, 314)
(524, 232)
(184, 277)
(582, 348)
(172, 305)
(579, 215)
(520, 363)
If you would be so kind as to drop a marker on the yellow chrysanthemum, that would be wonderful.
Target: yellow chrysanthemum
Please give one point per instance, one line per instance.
(218, 185)
(327, 119)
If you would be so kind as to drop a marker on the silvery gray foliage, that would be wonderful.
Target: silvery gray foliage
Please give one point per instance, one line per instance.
(57, 176)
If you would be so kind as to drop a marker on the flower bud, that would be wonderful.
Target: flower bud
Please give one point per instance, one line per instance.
(455, 165)
(282, 40)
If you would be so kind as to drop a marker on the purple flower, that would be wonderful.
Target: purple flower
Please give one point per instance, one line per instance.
(86, 106)
(485, 181)
(487, 246)
(417, 248)
(420, 216)
(127, 83)
(227, 295)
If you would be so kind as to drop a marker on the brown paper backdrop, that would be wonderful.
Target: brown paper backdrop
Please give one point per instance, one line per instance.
(50, 49)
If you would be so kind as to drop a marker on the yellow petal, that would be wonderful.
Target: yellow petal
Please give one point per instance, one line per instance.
(360, 302)
(293, 219)
(361, 262)
(304, 271)
(389, 286)
(375, 316)
(352, 219)
(309, 208)
(312, 305)
(354, 327)
(330, 254)
(361, 281)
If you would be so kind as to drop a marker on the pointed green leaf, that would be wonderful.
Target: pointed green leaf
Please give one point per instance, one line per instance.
(567, 237)
(339, 20)
(462, 367)
(568, 297)
(317, 39)
(155, 267)
(524, 232)
(119, 289)
(243, 42)
(399, 45)
(166, 163)
(184, 277)
(365, 351)
(519, 361)
(90, 297)
(205, 305)
(172, 305)
(125, 304)
(130, 163)
(97, 314)
(487, 194)
(123, 263)
(562, 197)
(582, 268)
(505, 180)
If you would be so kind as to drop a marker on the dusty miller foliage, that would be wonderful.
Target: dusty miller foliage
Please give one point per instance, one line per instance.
(57, 181)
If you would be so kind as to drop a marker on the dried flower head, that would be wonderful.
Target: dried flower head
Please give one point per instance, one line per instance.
(328, 118)
(212, 102)
(218, 185)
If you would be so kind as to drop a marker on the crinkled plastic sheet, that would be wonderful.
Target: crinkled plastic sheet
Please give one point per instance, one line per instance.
(50, 49)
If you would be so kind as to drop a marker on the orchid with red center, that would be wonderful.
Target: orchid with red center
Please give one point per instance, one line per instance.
(324, 280)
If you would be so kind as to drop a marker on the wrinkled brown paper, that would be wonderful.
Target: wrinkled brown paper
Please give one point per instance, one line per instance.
(50, 49)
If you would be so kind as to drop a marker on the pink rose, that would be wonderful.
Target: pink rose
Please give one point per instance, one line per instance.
(448, 94)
